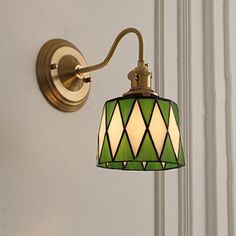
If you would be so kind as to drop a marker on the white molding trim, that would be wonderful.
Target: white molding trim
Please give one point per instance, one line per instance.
(210, 122)
(159, 85)
(184, 101)
(228, 119)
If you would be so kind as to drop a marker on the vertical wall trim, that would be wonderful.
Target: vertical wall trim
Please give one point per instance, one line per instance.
(159, 84)
(184, 101)
(210, 122)
(228, 123)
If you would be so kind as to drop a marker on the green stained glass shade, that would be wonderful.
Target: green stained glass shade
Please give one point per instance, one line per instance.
(140, 133)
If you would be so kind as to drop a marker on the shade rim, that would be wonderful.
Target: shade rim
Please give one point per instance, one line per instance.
(141, 96)
(141, 170)
(105, 165)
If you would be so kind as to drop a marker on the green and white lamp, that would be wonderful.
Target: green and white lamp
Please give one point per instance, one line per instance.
(139, 131)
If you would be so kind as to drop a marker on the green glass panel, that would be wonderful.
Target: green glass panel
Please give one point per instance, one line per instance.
(115, 165)
(171, 165)
(126, 106)
(176, 112)
(168, 154)
(124, 152)
(154, 166)
(102, 165)
(165, 110)
(147, 150)
(181, 155)
(106, 153)
(134, 165)
(110, 107)
(146, 107)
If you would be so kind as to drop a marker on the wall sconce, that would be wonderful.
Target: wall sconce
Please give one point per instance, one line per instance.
(138, 131)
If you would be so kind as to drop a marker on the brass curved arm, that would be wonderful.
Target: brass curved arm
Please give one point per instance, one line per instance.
(112, 50)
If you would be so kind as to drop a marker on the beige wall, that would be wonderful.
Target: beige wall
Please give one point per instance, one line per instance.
(49, 184)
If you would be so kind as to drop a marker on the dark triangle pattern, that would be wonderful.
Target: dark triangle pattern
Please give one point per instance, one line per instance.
(126, 106)
(110, 107)
(165, 110)
(168, 154)
(147, 150)
(106, 152)
(124, 152)
(146, 108)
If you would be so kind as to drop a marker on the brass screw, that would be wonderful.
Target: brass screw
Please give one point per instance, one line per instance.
(87, 80)
(54, 66)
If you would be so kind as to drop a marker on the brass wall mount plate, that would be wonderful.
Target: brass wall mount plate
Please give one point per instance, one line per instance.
(56, 67)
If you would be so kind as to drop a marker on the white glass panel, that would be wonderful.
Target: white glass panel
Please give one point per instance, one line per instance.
(158, 129)
(163, 164)
(136, 128)
(102, 132)
(115, 130)
(174, 132)
(144, 164)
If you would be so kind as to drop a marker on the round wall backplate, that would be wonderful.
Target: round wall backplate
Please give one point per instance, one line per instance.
(56, 67)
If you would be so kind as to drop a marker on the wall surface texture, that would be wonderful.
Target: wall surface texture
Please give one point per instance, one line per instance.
(49, 184)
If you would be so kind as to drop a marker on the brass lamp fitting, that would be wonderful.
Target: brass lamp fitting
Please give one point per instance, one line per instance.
(63, 73)
(140, 78)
